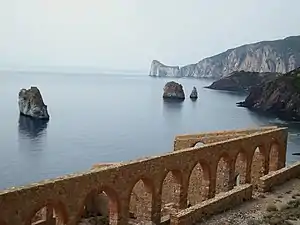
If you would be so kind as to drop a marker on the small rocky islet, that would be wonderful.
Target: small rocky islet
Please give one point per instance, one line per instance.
(175, 92)
(31, 104)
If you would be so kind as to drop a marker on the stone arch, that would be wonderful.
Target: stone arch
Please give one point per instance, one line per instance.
(100, 206)
(141, 200)
(199, 181)
(274, 157)
(50, 212)
(223, 174)
(240, 168)
(258, 165)
(170, 195)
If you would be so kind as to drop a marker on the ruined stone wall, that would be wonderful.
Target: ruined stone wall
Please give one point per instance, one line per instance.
(68, 195)
(279, 177)
(212, 206)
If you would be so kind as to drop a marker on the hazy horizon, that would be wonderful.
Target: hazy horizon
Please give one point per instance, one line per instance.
(128, 35)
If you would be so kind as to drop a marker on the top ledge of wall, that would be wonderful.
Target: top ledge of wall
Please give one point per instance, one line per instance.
(228, 132)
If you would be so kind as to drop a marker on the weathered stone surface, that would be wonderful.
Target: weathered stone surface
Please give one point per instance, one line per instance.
(194, 93)
(280, 96)
(267, 56)
(70, 195)
(31, 104)
(173, 90)
(242, 81)
(160, 70)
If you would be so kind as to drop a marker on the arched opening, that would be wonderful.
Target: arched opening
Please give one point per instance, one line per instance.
(198, 184)
(257, 166)
(199, 144)
(274, 157)
(222, 178)
(51, 213)
(100, 207)
(170, 197)
(140, 207)
(240, 169)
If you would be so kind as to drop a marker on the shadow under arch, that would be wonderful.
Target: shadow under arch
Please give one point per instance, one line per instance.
(48, 211)
(30, 127)
(141, 199)
(240, 168)
(2, 222)
(223, 173)
(199, 183)
(100, 204)
(274, 157)
(170, 191)
(258, 167)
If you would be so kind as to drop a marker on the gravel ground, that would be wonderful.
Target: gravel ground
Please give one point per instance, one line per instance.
(267, 208)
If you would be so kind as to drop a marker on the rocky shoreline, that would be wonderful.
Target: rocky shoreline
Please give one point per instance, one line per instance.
(279, 97)
(242, 81)
(272, 94)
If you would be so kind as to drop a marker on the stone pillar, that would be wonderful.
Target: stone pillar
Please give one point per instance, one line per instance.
(183, 196)
(156, 206)
(231, 182)
(212, 186)
(50, 220)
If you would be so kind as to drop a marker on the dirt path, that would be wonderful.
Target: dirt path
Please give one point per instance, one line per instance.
(281, 206)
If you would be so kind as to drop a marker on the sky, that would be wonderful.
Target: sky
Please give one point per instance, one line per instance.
(129, 34)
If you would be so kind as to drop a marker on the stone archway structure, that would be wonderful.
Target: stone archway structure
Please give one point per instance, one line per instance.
(68, 195)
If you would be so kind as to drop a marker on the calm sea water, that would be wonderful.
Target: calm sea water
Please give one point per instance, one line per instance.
(108, 118)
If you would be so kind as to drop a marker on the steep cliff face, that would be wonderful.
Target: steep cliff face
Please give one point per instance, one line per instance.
(267, 56)
(280, 96)
(160, 70)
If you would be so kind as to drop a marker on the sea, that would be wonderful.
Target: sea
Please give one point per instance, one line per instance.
(99, 118)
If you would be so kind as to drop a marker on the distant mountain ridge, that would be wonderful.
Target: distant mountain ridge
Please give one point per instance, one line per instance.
(280, 56)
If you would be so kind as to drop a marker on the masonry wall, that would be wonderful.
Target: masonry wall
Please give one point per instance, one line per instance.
(209, 207)
(67, 195)
(278, 177)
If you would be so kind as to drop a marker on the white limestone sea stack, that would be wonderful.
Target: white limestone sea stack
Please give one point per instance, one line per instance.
(160, 70)
(31, 104)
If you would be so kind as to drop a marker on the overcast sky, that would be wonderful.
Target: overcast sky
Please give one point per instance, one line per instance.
(128, 34)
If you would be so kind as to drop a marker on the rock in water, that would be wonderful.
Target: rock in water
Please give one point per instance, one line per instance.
(31, 104)
(173, 90)
(194, 94)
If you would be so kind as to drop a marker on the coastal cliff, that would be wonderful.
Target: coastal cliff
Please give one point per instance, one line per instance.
(280, 96)
(160, 70)
(279, 56)
(242, 81)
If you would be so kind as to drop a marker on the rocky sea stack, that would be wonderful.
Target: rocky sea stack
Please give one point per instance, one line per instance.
(280, 96)
(194, 94)
(173, 91)
(31, 104)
